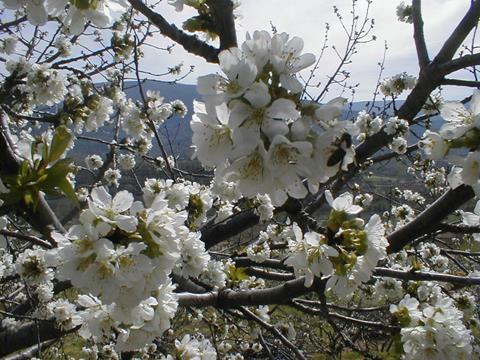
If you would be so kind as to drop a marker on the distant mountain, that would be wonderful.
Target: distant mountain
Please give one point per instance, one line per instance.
(176, 133)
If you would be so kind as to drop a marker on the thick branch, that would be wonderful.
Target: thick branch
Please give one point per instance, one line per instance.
(459, 82)
(27, 335)
(222, 11)
(190, 43)
(418, 35)
(429, 219)
(459, 63)
(215, 234)
(453, 43)
(281, 294)
(427, 276)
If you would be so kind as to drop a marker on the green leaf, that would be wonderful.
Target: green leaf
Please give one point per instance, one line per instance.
(237, 274)
(60, 141)
(69, 191)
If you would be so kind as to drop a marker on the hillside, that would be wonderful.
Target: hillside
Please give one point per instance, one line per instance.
(177, 134)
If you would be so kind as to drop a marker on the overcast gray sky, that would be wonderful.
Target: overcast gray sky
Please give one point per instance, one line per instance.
(307, 19)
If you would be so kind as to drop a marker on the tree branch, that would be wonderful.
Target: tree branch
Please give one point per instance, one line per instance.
(269, 327)
(280, 294)
(222, 12)
(215, 234)
(453, 43)
(459, 82)
(190, 43)
(459, 63)
(429, 219)
(427, 276)
(27, 335)
(418, 35)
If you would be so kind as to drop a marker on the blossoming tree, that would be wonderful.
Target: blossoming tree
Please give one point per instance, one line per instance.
(280, 248)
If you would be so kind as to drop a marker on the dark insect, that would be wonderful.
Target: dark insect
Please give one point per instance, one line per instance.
(342, 143)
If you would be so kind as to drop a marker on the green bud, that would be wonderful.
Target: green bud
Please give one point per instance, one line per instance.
(85, 4)
(336, 219)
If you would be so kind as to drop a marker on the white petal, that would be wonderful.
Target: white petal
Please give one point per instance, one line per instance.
(126, 223)
(283, 109)
(258, 95)
(291, 83)
(100, 195)
(122, 201)
(451, 111)
(475, 102)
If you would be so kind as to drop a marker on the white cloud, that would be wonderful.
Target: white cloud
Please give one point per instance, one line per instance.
(307, 19)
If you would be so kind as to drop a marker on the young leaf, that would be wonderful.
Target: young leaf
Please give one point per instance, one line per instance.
(61, 140)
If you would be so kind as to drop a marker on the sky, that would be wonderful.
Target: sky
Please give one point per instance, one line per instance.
(307, 19)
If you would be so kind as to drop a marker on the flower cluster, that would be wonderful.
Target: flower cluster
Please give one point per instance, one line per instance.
(472, 219)
(254, 128)
(461, 130)
(122, 254)
(398, 128)
(395, 85)
(74, 14)
(192, 348)
(404, 13)
(347, 253)
(432, 328)
(367, 126)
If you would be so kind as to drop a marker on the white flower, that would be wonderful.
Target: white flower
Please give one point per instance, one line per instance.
(63, 45)
(460, 119)
(35, 9)
(399, 145)
(435, 332)
(111, 211)
(240, 71)
(33, 267)
(472, 219)
(212, 137)
(247, 120)
(286, 59)
(265, 208)
(404, 13)
(310, 255)
(343, 203)
(328, 113)
(257, 48)
(101, 109)
(251, 172)
(65, 314)
(112, 176)
(8, 45)
(258, 252)
(396, 126)
(193, 257)
(214, 273)
(395, 85)
(93, 162)
(133, 121)
(126, 161)
(367, 126)
(433, 145)
(288, 162)
(471, 168)
(79, 13)
(47, 86)
(178, 108)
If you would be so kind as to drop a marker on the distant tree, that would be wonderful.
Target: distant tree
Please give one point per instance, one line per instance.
(292, 241)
